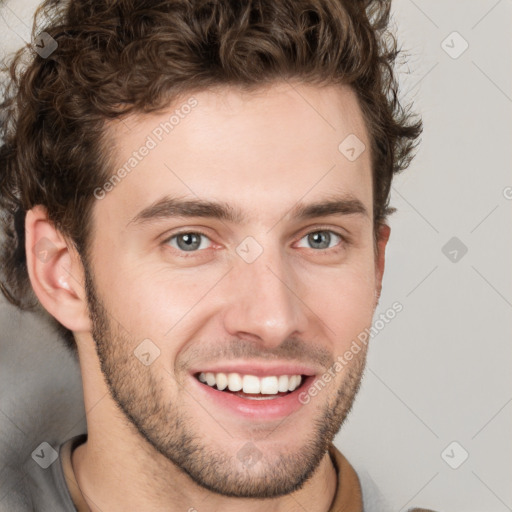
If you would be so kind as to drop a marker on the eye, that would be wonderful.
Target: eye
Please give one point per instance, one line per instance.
(324, 239)
(188, 241)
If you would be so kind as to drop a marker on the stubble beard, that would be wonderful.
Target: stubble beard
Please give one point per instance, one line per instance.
(170, 430)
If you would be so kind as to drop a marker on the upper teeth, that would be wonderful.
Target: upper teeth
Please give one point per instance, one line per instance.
(269, 385)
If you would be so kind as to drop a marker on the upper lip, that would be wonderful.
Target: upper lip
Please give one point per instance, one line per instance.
(258, 369)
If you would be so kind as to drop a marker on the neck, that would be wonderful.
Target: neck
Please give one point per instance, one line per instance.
(118, 481)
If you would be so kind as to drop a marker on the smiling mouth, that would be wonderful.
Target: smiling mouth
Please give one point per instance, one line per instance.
(252, 387)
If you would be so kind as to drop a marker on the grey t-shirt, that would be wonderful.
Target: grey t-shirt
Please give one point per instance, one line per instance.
(45, 488)
(45, 481)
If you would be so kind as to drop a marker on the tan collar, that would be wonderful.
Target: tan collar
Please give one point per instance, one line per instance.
(348, 495)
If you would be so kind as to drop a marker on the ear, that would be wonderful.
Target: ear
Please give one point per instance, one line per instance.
(384, 231)
(55, 271)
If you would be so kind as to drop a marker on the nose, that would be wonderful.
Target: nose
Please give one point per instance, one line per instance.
(264, 302)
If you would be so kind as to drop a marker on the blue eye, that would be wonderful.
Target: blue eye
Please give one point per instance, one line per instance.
(324, 239)
(188, 241)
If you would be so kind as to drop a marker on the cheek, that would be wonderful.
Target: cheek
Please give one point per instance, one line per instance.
(345, 301)
(157, 304)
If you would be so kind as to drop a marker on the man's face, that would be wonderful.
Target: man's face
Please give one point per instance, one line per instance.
(260, 291)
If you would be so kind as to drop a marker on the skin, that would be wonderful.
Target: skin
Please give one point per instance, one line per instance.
(153, 444)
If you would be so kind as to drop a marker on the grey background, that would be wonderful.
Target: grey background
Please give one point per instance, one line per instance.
(440, 371)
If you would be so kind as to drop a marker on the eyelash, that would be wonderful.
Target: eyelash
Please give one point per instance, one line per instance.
(345, 242)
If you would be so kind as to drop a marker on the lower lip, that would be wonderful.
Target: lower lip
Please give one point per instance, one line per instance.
(271, 409)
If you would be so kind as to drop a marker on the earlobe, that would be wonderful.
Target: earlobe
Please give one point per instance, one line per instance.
(55, 272)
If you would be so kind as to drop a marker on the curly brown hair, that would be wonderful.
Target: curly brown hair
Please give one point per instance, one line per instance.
(120, 57)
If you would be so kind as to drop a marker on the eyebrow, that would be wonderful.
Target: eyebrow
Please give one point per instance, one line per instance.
(169, 207)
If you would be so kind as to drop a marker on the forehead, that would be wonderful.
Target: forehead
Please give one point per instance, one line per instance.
(264, 150)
